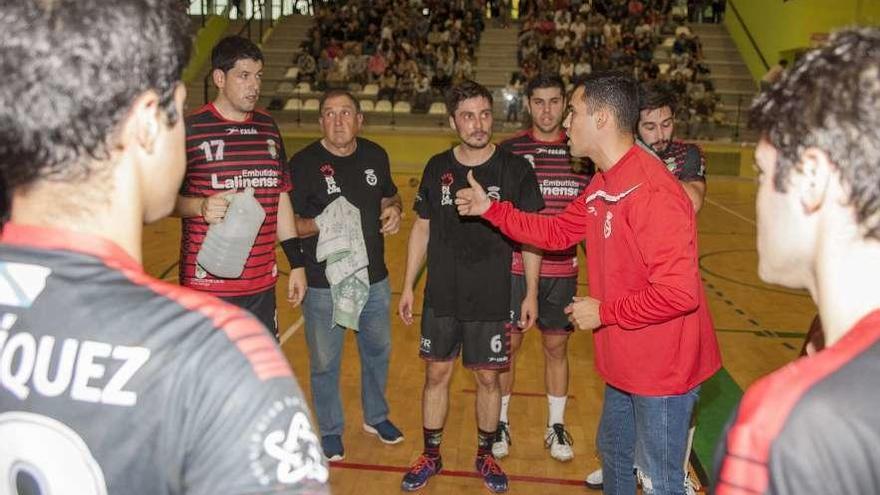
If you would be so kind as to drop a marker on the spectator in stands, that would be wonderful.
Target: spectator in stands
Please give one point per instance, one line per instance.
(445, 69)
(578, 30)
(718, 7)
(376, 66)
(562, 40)
(387, 85)
(464, 66)
(773, 75)
(307, 66)
(566, 71)
(682, 48)
(325, 62)
(406, 84)
(562, 20)
(582, 67)
(422, 98)
(635, 8)
(513, 97)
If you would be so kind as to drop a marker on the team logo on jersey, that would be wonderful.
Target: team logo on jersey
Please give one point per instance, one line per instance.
(273, 148)
(530, 158)
(446, 189)
(494, 192)
(371, 177)
(237, 130)
(552, 151)
(328, 172)
(606, 230)
(200, 272)
(294, 445)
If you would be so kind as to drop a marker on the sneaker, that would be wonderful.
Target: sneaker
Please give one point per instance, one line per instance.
(502, 444)
(559, 442)
(594, 480)
(493, 477)
(642, 480)
(690, 486)
(418, 475)
(332, 446)
(386, 431)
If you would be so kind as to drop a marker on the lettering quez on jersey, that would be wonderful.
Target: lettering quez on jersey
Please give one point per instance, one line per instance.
(80, 368)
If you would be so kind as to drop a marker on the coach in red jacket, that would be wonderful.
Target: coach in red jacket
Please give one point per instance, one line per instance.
(653, 334)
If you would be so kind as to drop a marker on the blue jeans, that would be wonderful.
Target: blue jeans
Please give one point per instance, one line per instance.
(325, 340)
(649, 433)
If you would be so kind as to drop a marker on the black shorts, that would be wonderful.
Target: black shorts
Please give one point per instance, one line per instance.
(554, 294)
(482, 344)
(261, 305)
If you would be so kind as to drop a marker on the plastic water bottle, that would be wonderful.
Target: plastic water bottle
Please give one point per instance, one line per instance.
(228, 243)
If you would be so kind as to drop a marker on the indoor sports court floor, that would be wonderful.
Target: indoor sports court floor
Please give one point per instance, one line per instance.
(760, 328)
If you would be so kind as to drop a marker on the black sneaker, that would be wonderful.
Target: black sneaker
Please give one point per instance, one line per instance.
(493, 477)
(419, 473)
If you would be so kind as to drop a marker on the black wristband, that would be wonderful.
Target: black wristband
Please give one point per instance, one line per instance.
(293, 250)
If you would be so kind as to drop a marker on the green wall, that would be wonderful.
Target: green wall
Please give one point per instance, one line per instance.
(780, 28)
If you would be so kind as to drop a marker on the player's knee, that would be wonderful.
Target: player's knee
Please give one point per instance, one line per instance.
(556, 347)
(487, 380)
(438, 374)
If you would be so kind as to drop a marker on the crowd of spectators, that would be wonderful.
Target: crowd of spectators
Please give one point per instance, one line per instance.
(411, 49)
(647, 38)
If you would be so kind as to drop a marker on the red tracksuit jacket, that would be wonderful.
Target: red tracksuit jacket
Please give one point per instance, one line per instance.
(656, 336)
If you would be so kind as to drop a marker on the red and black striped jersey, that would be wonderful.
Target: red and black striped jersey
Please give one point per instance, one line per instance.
(223, 155)
(685, 161)
(810, 427)
(559, 185)
(114, 382)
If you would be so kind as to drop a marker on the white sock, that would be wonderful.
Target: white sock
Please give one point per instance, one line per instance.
(505, 401)
(557, 409)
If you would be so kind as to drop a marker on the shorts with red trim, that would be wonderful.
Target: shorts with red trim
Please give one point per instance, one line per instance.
(482, 344)
(554, 294)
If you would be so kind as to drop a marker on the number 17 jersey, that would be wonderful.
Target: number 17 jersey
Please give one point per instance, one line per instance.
(224, 155)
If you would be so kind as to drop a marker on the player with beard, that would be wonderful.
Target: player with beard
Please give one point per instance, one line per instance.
(545, 146)
(231, 145)
(656, 129)
(467, 294)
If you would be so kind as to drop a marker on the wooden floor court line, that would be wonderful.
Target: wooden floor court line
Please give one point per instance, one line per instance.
(292, 330)
(728, 210)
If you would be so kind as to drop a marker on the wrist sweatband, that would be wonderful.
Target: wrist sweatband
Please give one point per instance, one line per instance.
(293, 250)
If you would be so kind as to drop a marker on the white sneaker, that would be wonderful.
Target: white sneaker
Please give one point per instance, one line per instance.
(690, 486)
(559, 442)
(502, 444)
(594, 480)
